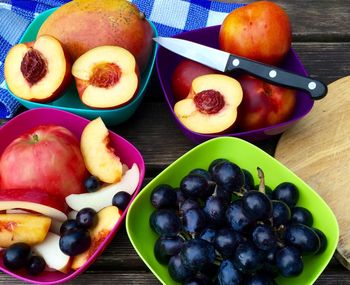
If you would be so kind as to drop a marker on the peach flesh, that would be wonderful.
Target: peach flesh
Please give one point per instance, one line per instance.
(209, 101)
(33, 66)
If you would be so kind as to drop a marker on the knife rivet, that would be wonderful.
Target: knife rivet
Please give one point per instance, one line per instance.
(235, 62)
(272, 73)
(312, 85)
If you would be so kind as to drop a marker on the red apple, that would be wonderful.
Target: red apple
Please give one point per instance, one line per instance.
(264, 104)
(47, 157)
(260, 31)
(183, 75)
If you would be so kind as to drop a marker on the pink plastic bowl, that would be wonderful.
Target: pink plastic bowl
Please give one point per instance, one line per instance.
(126, 151)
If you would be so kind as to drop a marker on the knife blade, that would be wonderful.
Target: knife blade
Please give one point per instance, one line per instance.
(227, 62)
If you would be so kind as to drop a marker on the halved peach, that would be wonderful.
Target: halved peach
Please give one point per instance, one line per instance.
(106, 77)
(37, 71)
(211, 105)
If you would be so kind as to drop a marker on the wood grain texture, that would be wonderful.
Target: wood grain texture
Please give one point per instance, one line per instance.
(320, 148)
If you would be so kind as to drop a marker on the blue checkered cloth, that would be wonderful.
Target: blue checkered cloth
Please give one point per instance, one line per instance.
(170, 17)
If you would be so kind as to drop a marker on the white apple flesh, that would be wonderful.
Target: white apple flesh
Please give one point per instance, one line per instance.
(103, 197)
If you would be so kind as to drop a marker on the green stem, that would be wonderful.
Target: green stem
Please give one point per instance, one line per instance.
(262, 180)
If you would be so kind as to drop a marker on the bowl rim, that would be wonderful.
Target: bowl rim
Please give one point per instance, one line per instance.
(205, 144)
(144, 77)
(234, 134)
(142, 168)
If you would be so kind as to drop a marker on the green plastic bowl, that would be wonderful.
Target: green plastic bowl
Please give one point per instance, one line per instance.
(70, 101)
(246, 156)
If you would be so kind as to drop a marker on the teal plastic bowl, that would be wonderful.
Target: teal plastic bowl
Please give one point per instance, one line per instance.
(70, 101)
(247, 156)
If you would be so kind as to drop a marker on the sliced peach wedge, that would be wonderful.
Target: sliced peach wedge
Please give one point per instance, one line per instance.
(211, 105)
(106, 77)
(37, 71)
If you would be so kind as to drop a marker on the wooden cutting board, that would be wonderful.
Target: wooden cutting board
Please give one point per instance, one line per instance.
(317, 149)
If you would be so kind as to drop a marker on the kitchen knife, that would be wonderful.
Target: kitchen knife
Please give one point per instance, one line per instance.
(226, 62)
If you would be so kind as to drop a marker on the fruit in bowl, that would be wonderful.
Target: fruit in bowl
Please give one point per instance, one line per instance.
(63, 242)
(39, 70)
(188, 177)
(82, 25)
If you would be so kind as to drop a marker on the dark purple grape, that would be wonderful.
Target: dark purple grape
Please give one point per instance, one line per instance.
(224, 194)
(269, 267)
(199, 279)
(323, 240)
(208, 234)
(289, 261)
(189, 204)
(165, 222)
(280, 213)
(256, 205)
(86, 218)
(121, 200)
(69, 225)
(75, 242)
(264, 237)
(197, 253)
(166, 247)
(286, 192)
(259, 279)
(248, 180)
(180, 197)
(215, 162)
(248, 258)
(195, 186)
(194, 220)
(203, 172)
(177, 270)
(36, 265)
(163, 196)
(92, 184)
(301, 215)
(226, 241)
(228, 274)
(215, 209)
(235, 216)
(302, 237)
(228, 175)
(17, 255)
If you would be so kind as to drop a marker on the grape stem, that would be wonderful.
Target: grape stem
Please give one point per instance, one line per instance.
(262, 180)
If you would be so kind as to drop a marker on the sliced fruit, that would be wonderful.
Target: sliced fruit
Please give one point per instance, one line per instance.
(37, 71)
(99, 157)
(106, 77)
(33, 200)
(107, 219)
(28, 228)
(50, 250)
(55, 226)
(211, 105)
(103, 197)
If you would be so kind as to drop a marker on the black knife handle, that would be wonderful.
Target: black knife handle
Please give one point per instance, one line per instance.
(316, 88)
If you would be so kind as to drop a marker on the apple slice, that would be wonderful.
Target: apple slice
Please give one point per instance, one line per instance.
(100, 159)
(50, 250)
(103, 197)
(28, 228)
(107, 219)
(211, 105)
(37, 71)
(33, 200)
(106, 77)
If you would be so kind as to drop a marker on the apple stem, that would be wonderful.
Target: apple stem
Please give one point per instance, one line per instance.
(262, 180)
(35, 138)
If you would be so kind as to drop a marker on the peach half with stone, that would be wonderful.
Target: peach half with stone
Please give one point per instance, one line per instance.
(106, 77)
(37, 71)
(211, 105)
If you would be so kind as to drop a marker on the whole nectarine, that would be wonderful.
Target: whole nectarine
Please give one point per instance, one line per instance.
(260, 31)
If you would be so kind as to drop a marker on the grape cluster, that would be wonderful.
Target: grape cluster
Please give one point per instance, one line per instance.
(220, 228)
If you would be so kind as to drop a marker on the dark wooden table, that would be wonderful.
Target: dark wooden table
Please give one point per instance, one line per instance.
(321, 38)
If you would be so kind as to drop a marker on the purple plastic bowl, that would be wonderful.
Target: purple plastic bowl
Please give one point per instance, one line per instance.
(125, 150)
(166, 62)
